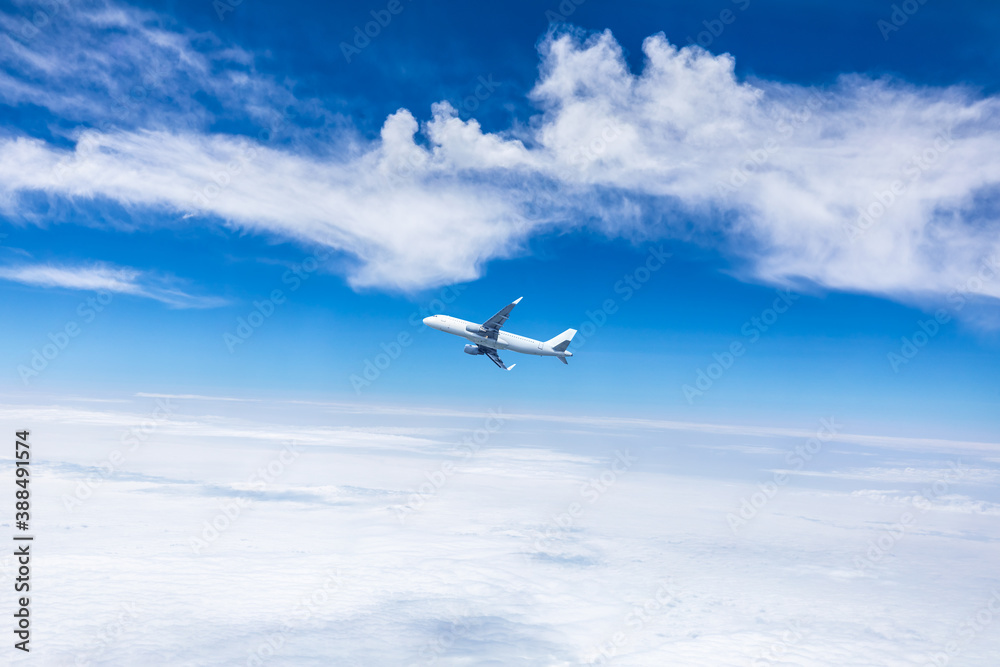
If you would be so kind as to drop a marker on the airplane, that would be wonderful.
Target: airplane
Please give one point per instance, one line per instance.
(487, 339)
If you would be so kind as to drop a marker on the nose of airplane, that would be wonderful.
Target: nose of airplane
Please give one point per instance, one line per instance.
(427, 320)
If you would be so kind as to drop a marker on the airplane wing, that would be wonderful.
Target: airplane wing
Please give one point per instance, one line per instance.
(494, 357)
(491, 326)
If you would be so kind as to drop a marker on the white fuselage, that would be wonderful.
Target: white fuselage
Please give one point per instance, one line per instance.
(504, 340)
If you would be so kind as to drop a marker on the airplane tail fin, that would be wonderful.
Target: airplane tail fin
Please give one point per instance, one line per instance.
(562, 341)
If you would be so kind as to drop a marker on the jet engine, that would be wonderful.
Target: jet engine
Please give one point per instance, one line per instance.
(473, 349)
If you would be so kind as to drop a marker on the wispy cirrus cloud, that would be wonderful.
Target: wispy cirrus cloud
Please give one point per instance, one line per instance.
(65, 65)
(96, 277)
(866, 185)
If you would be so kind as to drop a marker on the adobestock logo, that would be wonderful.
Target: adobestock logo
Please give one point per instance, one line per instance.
(752, 330)
(372, 29)
(927, 330)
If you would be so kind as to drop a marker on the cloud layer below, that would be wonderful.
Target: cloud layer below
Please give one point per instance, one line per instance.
(377, 526)
(867, 185)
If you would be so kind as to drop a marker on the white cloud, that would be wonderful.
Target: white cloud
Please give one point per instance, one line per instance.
(107, 65)
(609, 427)
(779, 172)
(953, 502)
(81, 278)
(957, 473)
(482, 573)
(97, 277)
(790, 165)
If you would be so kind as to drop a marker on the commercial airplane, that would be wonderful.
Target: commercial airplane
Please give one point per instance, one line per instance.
(488, 339)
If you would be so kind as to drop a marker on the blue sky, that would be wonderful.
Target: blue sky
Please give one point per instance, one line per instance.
(506, 210)
(219, 235)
